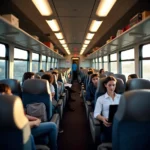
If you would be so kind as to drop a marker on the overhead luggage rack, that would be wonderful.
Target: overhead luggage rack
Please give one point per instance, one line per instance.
(138, 33)
(12, 34)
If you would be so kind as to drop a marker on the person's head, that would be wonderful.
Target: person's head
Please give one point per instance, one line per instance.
(90, 71)
(55, 72)
(28, 75)
(132, 76)
(101, 71)
(94, 79)
(5, 89)
(51, 68)
(110, 84)
(41, 70)
(48, 77)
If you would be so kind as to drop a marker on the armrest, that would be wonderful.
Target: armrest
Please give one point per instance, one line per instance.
(88, 103)
(96, 122)
(60, 102)
(55, 118)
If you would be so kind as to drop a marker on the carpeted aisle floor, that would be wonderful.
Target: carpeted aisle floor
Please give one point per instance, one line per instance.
(76, 134)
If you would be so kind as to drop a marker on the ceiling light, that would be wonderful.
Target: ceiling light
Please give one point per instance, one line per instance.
(95, 25)
(89, 36)
(104, 7)
(84, 45)
(59, 35)
(53, 25)
(43, 7)
(62, 41)
(86, 42)
(64, 45)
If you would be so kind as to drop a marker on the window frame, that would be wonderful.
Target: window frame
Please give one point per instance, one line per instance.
(36, 61)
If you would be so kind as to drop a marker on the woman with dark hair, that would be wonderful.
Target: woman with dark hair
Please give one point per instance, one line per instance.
(91, 89)
(27, 75)
(101, 71)
(101, 111)
(132, 76)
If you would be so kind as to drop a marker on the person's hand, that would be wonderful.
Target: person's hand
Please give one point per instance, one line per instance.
(37, 122)
(105, 122)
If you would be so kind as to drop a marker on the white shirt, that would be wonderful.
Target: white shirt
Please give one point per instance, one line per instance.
(52, 88)
(103, 102)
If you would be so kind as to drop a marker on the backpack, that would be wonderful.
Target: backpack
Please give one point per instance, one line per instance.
(37, 110)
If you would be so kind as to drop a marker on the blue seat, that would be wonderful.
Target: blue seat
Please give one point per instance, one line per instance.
(14, 126)
(135, 84)
(38, 91)
(131, 125)
(95, 125)
(14, 85)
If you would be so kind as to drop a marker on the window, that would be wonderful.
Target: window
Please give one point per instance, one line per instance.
(100, 63)
(127, 62)
(20, 63)
(146, 61)
(113, 63)
(56, 63)
(52, 62)
(96, 64)
(43, 62)
(93, 64)
(48, 63)
(3, 61)
(105, 61)
(35, 62)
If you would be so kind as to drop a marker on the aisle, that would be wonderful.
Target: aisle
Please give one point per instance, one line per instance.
(76, 134)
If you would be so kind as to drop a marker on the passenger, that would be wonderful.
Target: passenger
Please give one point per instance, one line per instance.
(37, 128)
(101, 71)
(91, 89)
(132, 76)
(51, 69)
(41, 70)
(28, 75)
(74, 70)
(101, 111)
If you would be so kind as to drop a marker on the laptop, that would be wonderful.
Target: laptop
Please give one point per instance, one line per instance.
(112, 111)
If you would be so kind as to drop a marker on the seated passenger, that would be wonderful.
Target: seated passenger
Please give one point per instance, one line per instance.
(91, 89)
(37, 128)
(49, 78)
(132, 76)
(28, 75)
(41, 70)
(101, 71)
(101, 111)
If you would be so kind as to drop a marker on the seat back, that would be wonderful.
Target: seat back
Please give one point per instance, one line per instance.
(14, 85)
(14, 126)
(121, 76)
(108, 73)
(37, 91)
(131, 124)
(120, 88)
(135, 84)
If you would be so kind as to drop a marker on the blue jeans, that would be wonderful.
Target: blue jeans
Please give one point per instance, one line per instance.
(32, 142)
(48, 129)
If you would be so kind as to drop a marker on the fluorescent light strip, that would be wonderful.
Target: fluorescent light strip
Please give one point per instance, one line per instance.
(53, 25)
(62, 41)
(89, 36)
(86, 42)
(43, 7)
(64, 45)
(85, 45)
(95, 25)
(104, 7)
(59, 35)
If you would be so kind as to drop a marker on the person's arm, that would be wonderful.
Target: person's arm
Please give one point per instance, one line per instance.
(33, 121)
(31, 118)
(97, 112)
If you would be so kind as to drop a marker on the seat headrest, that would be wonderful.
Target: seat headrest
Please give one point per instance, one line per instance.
(121, 76)
(13, 84)
(36, 86)
(134, 106)
(40, 73)
(120, 88)
(108, 73)
(138, 84)
(11, 113)
(103, 76)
